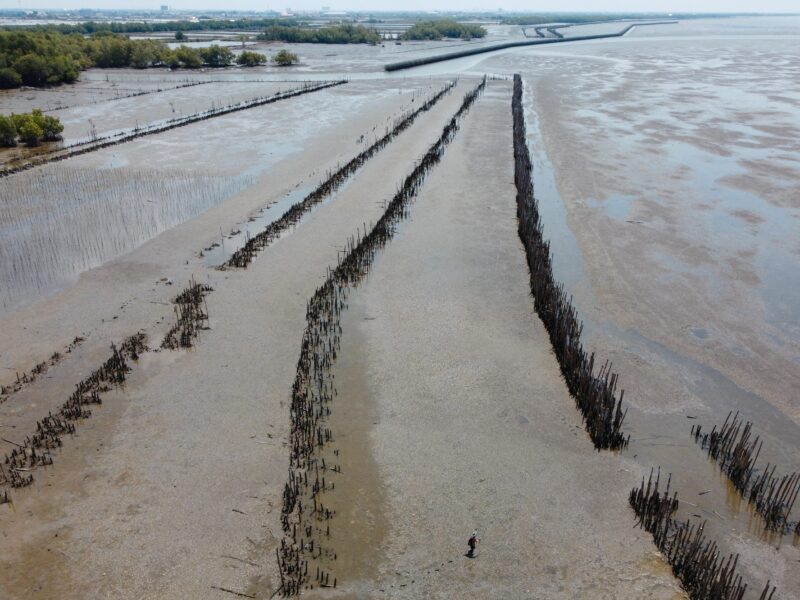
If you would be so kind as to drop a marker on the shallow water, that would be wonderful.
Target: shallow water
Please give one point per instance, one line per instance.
(714, 176)
(221, 250)
(53, 229)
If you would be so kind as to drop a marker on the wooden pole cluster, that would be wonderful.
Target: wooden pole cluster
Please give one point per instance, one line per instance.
(105, 142)
(304, 516)
(242, 257)
(34, 451)
(653, 509)
(736, 452)
(39, 369)
(594, 394)
(191, 314)
(704, 573)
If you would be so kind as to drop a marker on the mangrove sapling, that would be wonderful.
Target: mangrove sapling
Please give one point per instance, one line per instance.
(59, 221)
(284, 58)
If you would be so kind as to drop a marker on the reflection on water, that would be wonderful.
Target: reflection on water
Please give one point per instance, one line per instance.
(56, 222)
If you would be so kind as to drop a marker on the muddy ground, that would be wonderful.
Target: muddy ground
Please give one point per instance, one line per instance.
(665, 164)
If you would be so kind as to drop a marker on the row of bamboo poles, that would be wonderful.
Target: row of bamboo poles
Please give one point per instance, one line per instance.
(696, 561)
(242, 257)
(304, 516)
(112, 140)
(191, 316)
(35, 450)
(736, 451)
(594, 393)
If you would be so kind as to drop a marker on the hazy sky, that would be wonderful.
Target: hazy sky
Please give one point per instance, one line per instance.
(526, 5)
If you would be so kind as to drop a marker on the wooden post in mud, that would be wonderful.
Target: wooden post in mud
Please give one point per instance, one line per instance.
(97, 143)
(35, 450)
(191, 314)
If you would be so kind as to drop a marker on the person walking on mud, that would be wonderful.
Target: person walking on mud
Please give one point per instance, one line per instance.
(473, 543)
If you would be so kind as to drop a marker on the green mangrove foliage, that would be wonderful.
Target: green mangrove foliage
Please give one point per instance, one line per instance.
(92, 27)
(247, 58)
(345, 33)
(443, 28)
(30, 128)
(47, 57)
(284, 58)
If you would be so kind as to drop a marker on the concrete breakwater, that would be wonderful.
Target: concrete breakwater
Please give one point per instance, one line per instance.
(418, 62)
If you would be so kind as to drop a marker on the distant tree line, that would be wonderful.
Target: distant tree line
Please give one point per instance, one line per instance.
(30, 128)
(443, 28)
(92, 27)
(346, 33)
(40, 58)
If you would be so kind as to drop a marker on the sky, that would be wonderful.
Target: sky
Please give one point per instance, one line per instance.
(508, 5)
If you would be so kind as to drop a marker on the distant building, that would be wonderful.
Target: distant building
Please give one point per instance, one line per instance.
(164, 8)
